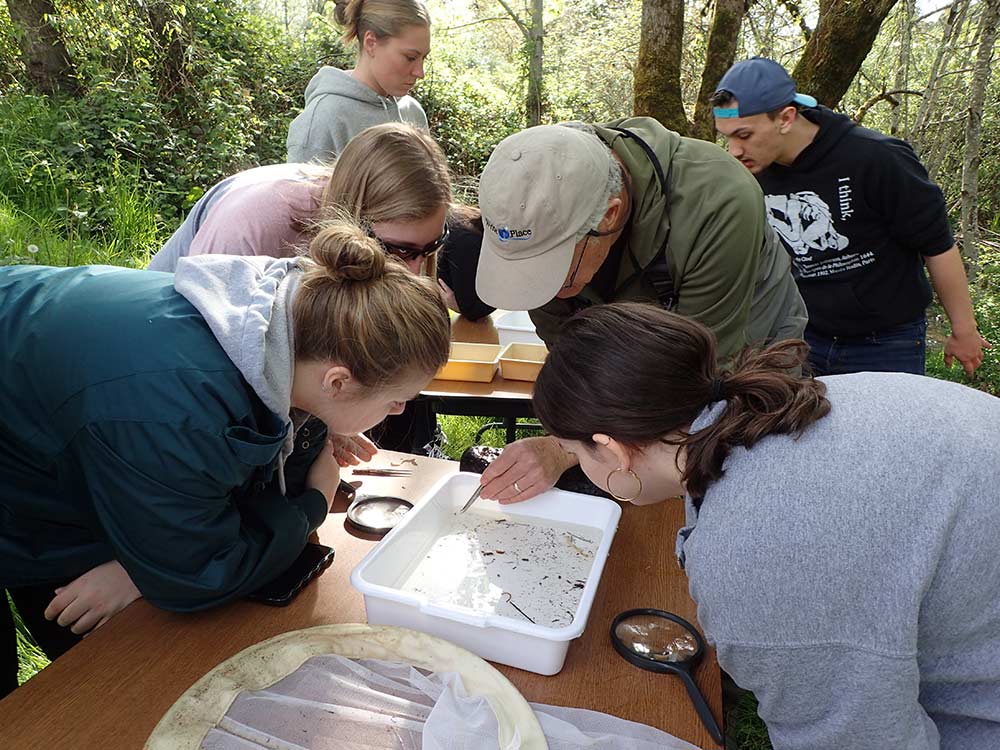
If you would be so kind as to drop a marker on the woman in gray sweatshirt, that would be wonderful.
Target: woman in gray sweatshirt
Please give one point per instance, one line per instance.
(842, 532)
(393, 39)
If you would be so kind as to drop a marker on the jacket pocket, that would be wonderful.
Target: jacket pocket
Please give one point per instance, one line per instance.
(252, 447)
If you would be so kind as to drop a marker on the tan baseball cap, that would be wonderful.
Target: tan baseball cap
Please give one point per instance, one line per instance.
(538, 190)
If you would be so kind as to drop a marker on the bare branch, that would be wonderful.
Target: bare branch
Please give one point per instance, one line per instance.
(517, 19)
(474, 23)
(956, 72)
(925, 16)
(889, 96)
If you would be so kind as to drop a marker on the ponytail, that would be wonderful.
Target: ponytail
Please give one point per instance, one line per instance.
(763, 397)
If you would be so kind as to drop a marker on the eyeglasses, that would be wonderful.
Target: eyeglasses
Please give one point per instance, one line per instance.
(408, 252)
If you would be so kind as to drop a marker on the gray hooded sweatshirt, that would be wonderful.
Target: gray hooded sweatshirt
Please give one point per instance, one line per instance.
(850, 577)
(338, 107)
(247, 303)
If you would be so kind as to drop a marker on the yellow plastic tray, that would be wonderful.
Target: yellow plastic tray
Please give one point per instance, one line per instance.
(476, 363)
(522, 361)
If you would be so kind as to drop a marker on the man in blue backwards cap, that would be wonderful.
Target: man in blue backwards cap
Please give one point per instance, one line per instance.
(860, 218)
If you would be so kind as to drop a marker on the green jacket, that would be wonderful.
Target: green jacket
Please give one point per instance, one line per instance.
(127, 433)
(729, 270)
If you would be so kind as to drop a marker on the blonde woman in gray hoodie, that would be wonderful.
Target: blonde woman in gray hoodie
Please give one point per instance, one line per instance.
(393, 39)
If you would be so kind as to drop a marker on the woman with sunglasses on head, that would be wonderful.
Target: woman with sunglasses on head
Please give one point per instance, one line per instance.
(841, 537)
(155, 439)
(394, 179)
(394, 39)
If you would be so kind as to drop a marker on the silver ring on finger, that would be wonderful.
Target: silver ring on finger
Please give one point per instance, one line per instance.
(517, 488)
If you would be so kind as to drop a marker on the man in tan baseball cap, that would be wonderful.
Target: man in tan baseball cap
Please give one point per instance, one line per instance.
(577, 214)
(540, 188)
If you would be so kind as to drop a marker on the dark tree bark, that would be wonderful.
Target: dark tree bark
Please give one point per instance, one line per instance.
(722, 39)
(841, 41)
(45, 58)
(657, 86)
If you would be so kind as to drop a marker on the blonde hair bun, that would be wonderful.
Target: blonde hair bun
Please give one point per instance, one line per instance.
(347, 253)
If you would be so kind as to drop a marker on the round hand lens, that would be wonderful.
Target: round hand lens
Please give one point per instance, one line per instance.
(662, 642)
(377, 514)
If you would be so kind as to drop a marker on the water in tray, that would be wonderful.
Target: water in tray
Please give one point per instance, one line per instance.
(529, 569)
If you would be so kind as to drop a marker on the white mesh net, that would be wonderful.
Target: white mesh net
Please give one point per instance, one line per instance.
(332, 702)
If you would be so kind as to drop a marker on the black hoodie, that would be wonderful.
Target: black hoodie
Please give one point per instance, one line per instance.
(857, 211)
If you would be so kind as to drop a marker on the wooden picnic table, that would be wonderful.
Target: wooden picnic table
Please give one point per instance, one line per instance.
(109, 691)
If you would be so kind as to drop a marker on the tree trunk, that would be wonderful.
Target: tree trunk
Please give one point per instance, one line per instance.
(898, 117)
(843, 37)
(722, 39)
(973, 132)
(44, 54)
(533, 34)
(953, 23)
(657, 86)
(534, 105)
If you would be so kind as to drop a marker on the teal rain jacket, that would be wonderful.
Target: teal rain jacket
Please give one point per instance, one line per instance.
(126, 432)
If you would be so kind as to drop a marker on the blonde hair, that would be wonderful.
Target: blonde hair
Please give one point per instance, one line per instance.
(384, 18)
(364, 310)
(389, 172)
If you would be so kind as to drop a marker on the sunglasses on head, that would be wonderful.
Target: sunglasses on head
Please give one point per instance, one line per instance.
(408, 252)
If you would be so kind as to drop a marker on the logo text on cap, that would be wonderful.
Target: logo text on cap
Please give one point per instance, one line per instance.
(505, 234)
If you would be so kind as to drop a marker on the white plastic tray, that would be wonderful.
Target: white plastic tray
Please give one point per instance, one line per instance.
(495, 637)
(515, 327)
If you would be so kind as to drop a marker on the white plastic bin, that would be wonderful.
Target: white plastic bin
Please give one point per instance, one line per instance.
(516, 328)
(498, 638)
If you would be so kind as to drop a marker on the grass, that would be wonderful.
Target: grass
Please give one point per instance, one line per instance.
(745, 730)
(30, 657)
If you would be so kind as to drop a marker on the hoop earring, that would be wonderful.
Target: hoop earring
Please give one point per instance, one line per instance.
(607, 484)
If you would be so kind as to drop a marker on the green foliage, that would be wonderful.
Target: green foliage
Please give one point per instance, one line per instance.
(986, 301)
(461, 433)
(173, 97)
(30, 657)
(10, 63)
(466, 117)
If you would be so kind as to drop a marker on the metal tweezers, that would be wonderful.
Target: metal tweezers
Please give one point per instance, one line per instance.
(382, 472)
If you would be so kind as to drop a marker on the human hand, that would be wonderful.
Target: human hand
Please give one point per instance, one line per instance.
(967, 348)
(324, 475)
(448, 296)
(532, 464)
(350, 450)
(92, 599)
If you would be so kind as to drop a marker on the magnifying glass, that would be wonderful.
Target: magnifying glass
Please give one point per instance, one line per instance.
(662, 642)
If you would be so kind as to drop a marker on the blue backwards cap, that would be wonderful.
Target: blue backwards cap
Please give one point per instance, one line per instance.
(758, 85)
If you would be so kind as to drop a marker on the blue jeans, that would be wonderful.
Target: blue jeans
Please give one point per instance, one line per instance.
(899, 349)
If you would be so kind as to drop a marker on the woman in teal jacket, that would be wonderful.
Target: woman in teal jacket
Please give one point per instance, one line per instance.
(150, 419)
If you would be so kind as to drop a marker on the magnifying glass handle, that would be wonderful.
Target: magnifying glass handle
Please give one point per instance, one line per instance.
(704, 712)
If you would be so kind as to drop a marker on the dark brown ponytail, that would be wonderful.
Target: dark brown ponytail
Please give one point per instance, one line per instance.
(640, 374)
(764, 396)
